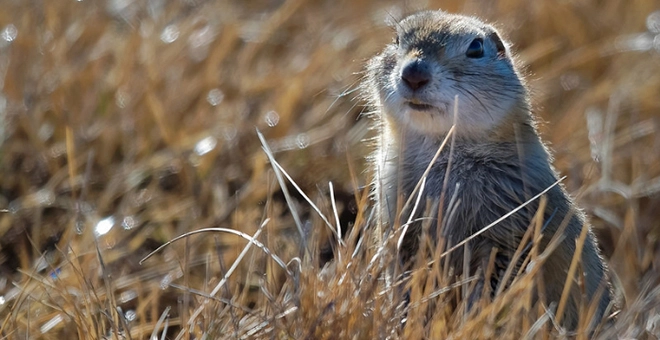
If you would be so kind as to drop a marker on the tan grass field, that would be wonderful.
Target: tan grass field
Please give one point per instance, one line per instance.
(124, 125)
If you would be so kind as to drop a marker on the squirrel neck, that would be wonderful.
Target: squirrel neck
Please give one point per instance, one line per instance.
(518, 129)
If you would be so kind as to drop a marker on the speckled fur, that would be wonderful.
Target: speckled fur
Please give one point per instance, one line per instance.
(498, 161)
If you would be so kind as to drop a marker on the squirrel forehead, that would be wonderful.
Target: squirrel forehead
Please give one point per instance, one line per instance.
(437, 28)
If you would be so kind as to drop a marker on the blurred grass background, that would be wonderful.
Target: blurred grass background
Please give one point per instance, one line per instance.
(125, 124)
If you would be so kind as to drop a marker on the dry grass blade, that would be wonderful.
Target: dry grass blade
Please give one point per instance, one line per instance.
(287, 196)
(450, 133)
(163, 317)
(404, 228)
(579, 243)
(278, 168)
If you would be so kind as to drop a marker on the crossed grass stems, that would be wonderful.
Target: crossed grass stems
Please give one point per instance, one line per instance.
(377, 275)
(428, 271)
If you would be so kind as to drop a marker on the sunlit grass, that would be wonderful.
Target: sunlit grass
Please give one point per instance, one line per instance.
(141, 118)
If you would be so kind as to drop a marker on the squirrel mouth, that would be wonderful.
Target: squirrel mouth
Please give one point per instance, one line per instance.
(420, 106)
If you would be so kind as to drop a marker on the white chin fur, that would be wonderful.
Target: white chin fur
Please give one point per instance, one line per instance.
(472, 120)
(434, 122)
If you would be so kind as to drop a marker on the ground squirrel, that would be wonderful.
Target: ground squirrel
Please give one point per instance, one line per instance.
(497, 163)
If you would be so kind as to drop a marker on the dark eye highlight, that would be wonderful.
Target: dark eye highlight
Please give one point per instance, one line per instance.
(476, 49)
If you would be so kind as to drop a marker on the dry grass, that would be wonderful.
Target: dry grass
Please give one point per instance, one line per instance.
(142, 116)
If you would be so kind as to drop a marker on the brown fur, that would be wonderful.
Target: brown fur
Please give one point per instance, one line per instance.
(498, 159)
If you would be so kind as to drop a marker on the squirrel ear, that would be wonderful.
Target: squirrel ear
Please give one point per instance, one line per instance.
(501, 49)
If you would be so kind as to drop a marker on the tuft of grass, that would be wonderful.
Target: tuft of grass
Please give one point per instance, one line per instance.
(126, 125)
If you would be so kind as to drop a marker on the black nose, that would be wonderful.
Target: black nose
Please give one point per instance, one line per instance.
(416, 74)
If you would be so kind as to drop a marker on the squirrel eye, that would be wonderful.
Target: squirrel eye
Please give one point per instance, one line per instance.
(476, 49)
(396, 40)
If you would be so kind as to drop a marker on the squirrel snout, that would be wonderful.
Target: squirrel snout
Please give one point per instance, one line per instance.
(416, 74)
